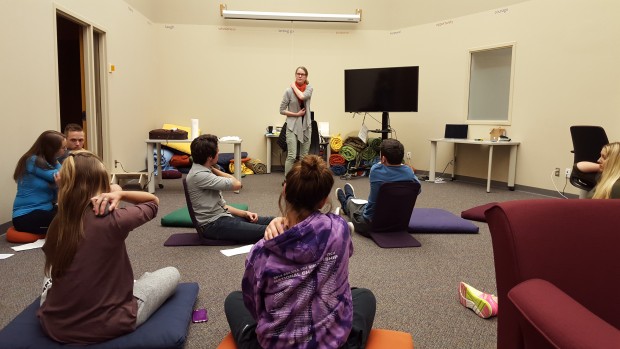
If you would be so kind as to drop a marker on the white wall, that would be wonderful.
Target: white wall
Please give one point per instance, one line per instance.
(232, 79)
(565, 74)
(28, 81)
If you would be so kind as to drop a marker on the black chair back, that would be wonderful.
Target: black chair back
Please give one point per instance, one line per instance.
(587, 144)
(390, 222)
(192, 214)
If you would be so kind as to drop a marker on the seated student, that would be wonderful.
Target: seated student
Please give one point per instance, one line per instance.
(295, 290)
(608, 183)
(93, 296)
(35, 175)
(75, 140)
(75, 137)
(389, 169)
(205, 182)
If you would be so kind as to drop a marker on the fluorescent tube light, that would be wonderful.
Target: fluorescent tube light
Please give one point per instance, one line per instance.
(291, 16)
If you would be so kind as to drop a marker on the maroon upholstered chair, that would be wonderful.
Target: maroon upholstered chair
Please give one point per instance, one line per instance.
(557, 266)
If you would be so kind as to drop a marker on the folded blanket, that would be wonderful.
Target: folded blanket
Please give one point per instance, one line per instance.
(336, 159)
(348, 153)
(257, 166)
(355, 142)
(244, 169)
(336, 143)
(375, 143)
(338, 170)
(368, 153)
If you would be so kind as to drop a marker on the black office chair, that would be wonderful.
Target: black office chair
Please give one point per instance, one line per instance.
(587, 144)
(390, 222)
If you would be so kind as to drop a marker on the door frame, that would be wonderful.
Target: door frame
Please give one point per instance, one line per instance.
(95, 82)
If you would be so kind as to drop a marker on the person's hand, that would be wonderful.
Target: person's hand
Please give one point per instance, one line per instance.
(301, 112)
(105, 202)
(294, 86)
(251, 216)
(57, 178)
(276, 227)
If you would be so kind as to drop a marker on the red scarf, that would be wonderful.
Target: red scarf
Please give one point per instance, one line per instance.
(301, 88)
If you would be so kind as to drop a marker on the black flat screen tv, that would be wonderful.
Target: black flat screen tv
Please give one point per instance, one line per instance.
(392, 89)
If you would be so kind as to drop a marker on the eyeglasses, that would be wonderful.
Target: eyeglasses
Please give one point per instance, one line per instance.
(301, 74)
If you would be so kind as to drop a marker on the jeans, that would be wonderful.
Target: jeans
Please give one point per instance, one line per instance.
(235, 229)
(291, 155)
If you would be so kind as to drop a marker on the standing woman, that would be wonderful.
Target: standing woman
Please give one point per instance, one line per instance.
(35, 175)
(296, 106)
(93, 297)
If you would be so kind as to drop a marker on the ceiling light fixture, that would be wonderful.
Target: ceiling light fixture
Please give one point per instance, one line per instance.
(291, 16)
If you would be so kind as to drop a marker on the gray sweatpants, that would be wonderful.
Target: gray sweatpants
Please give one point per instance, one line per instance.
(152, 290)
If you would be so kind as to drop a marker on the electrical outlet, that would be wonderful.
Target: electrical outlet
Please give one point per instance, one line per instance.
(557, 172)
(567, 172)
(408, 155)
(115, 163)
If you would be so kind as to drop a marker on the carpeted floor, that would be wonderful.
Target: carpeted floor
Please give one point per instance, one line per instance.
(416, 288)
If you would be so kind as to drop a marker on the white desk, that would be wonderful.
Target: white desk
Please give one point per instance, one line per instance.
(512, 164)
(270, 136)
(155, 144)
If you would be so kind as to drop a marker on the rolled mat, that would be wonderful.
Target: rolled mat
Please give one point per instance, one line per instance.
(257, 166)
(336, 159)
(348, 153)
(338, 170)
(336, 143)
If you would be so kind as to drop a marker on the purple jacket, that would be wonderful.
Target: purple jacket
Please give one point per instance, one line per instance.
(296, 285)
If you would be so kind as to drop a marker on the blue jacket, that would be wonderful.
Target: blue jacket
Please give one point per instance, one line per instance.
(36, 190)
(379, 174)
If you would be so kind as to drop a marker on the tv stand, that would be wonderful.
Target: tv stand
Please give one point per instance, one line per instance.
(385, 125)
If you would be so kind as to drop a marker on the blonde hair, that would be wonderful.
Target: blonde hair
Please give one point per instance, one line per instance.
(82, 176)
(611, 172)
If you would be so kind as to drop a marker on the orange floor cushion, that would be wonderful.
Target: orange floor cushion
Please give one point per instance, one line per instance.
(15, 236)
(228, 342)
(378, 339)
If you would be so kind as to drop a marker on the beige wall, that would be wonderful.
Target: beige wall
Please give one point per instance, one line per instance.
(232, 79)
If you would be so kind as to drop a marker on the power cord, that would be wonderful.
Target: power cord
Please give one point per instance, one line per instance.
(556, 188)
(116, 162)
(439, 179)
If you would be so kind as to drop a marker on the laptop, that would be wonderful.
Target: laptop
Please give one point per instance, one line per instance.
(456, 131)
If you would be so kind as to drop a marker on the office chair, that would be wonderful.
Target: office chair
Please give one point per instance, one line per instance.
(587, 144)
(390, 222)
